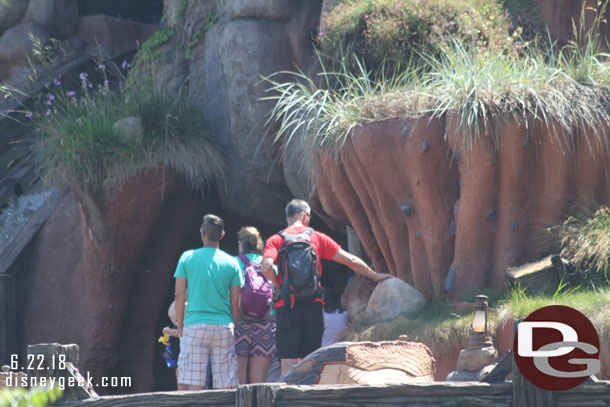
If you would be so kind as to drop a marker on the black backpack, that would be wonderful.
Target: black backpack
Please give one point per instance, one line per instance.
(299, 269)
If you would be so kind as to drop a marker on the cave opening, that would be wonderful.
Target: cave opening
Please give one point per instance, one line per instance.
(142, 11)
(334, 279)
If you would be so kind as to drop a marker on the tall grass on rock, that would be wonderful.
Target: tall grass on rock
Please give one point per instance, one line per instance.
(77, 141)
(585, 242)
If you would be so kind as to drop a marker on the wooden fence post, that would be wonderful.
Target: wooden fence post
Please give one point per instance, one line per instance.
(7, 317)
(256, 395)
(525, 394)
(52, 360)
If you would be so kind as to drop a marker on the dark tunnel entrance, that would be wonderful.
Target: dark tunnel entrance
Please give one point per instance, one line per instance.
(142, 11)
(334, 279)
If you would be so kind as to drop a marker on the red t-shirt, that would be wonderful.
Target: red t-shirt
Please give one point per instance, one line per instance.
(325, 248)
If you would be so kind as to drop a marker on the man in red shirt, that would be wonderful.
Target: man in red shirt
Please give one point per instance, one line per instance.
(300, 328)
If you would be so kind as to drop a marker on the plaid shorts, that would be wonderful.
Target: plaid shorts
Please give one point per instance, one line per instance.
(200, 343)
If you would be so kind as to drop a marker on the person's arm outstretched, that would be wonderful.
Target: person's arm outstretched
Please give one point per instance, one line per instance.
(359, 266)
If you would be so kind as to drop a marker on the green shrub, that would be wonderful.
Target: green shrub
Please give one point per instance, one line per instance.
(77, 141)
(391, 33)
(20, 397)
(585, 242)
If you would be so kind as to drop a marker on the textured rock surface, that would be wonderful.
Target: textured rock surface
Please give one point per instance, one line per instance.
(467, 219)
(357, 294)
(473, 360)
(262, 9)
(391, 298)
(11, 12)
(59, 17)
(16, 43)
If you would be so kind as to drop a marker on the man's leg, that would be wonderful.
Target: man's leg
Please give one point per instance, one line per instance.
(224, 360)
(311, 317)
(287, 337)
(193, 359)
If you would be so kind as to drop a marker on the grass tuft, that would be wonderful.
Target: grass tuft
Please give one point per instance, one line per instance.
(77, 140)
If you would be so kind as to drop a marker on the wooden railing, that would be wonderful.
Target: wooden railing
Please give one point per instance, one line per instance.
(518, 393)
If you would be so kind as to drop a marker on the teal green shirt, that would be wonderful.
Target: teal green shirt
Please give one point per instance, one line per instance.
(209, 273)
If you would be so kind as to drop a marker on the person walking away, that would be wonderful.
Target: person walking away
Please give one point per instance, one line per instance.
(255, 332)
(297, 251)
(213, 280)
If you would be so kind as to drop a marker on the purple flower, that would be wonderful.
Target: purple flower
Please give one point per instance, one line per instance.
(83, 76)
(125, 65)
(56, 82)
(106, 83)
(366, 16)
(48, 112)
(51, 97)
(101, 66)
(71, 93)
(90, 86)
(49, 102)
(47, 85)
(28, 115)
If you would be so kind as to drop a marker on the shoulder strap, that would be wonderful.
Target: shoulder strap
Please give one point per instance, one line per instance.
(244, 260)
(308, 231)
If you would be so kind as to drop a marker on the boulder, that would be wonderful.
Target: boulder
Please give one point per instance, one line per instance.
(11, 12)
(128, 128)
(16, 43)
(391, 298)
(59, 17)
(462, 376)
(274, 10)
(356, 296)
(474, 360)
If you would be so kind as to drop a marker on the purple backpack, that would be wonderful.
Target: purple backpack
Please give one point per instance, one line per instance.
(257, 293)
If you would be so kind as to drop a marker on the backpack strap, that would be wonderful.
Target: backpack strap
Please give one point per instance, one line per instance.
(245, 260)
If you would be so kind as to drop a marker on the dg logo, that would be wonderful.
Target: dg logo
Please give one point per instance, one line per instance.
(556, 348)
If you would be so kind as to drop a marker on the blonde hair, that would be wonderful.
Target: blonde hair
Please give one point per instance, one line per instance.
(252, 240)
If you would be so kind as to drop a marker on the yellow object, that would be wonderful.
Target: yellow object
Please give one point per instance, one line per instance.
(164, 339)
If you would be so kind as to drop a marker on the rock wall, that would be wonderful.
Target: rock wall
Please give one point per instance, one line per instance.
(449, 218)
(223, 72)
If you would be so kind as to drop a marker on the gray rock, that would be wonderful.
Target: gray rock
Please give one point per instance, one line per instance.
(59, 17)
(274, 10)
(474, 360)
(248, 50)
(391, 298)
(296, 165)
(483, 372)
(461, 376)
(16, 43)
(11, 12)
(128, 128)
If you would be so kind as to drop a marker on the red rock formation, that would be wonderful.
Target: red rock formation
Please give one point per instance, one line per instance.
(514, 180)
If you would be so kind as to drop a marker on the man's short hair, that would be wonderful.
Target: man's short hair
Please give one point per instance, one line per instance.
(297, 206)
(213, 226)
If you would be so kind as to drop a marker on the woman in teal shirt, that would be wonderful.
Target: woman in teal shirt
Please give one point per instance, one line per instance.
(254, 338)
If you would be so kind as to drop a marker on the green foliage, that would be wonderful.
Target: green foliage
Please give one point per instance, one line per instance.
(436, 326)
(566, 90)
(391, 33)
(594, 303)
(20, 397)
(151, 50)
(585, 242)
(78, 142)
